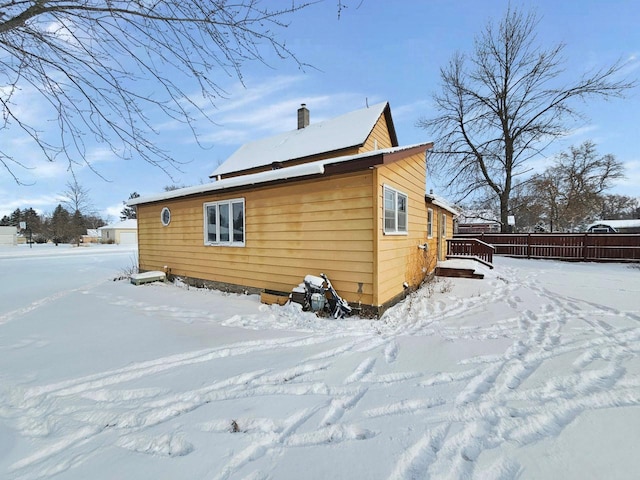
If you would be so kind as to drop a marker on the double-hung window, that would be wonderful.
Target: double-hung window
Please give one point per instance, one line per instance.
(429, 223)
(224, 223)
(395, 211)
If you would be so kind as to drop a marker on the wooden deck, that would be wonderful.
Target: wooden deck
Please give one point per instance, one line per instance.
(461, 267)
(586, 247)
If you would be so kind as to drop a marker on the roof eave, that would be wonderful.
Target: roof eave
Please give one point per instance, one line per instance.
(392, 129)
(441, 203)
(330, 166)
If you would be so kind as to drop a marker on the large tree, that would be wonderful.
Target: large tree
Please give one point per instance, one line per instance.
(504, 104)
(102, 68)
(59, 225)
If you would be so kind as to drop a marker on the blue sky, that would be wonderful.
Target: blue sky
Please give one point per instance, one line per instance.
(378, 50)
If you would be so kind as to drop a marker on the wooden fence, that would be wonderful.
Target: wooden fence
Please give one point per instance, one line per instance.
(602, 247)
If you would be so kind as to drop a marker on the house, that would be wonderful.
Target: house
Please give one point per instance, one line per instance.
(339, 197)
(122, 233)
(480, 221)
(615, 226)
(92, 236)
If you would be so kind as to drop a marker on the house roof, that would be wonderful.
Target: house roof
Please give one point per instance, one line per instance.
(442, 203)
(477, 217)
(349, 130)
(616, 224)
(320, 167)
(123, 225)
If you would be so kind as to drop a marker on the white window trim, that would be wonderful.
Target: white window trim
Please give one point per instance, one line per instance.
(396, 193)
(429, 223)
(230, 243)
(165, 224)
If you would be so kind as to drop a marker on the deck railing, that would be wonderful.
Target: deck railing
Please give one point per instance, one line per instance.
(564, 246)
(470, 247)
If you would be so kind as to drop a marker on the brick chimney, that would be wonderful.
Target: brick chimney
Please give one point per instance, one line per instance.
(303, 116)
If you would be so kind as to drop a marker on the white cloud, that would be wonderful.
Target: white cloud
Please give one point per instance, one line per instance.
(413, 110)
(62, 32)
(582, 132)
(112, 213)
(40, 203)
(272, 108)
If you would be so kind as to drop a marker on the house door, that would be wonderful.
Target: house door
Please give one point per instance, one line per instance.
(442, 235)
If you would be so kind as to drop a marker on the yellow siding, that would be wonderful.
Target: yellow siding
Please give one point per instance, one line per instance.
(399, 258)
(291, 230)
(437, 229)
(379, 137)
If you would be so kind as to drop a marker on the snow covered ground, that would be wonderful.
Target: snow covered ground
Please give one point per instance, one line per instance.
(533, 372)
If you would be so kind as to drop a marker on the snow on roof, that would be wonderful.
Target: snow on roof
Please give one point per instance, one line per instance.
(615, 224)
(442, 203)
(477, 217)
(129, 223)
(305, 169)
(341, 132)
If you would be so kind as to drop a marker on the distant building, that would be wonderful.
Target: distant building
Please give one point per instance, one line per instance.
(92, 236)
(122, 233)
(482, 221)
(615, 226)
(8, 236)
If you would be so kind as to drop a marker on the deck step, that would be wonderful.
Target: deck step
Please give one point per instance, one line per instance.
(458, 272)
(148, 277)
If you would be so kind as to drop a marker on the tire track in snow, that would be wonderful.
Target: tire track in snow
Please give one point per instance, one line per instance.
(490, 405)
(501, 398)
(46, 301)
(131, 412)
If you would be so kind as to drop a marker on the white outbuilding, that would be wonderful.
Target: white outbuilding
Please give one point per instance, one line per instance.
(8, 236)
(615, 226)
(122, 233)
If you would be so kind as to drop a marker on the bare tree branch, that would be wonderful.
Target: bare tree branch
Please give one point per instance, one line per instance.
(91, 62)
(504, 104)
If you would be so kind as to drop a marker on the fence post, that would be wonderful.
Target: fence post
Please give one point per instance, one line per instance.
(528, 246)
(584, 246)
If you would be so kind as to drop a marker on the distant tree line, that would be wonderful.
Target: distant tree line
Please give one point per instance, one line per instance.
(67, 224)
(61, 226)
(573, 192)
(570, 194)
